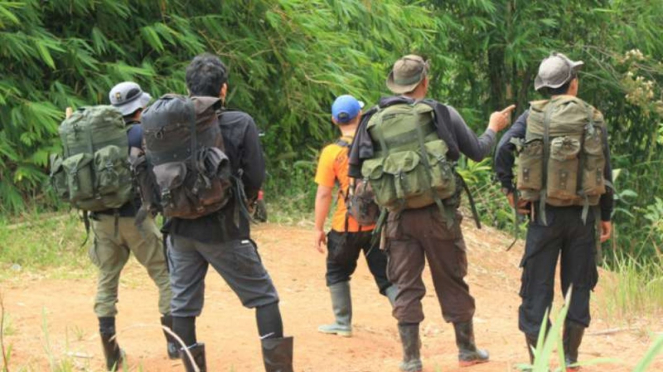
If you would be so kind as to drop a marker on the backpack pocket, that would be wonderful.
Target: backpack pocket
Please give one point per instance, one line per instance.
(80, 179)
(443, 180)
(58, 178)
(170, 179)
(113, 176)
(213, 182)
(361, 204)
(112, 169)
(382, 184)
(530, 168)
(563, 168)
(593, 183)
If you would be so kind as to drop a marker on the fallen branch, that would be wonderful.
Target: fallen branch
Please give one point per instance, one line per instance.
(610, 331)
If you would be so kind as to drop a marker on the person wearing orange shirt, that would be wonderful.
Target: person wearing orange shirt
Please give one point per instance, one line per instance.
(347, 239)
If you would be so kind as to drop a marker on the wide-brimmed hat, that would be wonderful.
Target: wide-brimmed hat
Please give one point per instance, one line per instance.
(128, 97)
(407, 73)
(556, 70)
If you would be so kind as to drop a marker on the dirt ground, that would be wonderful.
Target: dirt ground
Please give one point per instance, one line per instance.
(230, 334)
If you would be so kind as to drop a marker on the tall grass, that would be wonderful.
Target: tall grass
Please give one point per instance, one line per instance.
(550, 341)
(633, 289)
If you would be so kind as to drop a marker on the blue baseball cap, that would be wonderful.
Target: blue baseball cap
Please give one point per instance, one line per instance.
(345, 108)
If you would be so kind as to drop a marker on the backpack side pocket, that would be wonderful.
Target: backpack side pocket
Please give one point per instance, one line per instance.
(58, 178)
(530, 170)
(593, 183)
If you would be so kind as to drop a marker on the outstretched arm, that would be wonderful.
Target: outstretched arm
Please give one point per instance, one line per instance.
(477, 148)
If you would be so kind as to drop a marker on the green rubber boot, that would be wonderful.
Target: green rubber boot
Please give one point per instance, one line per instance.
(342, 305)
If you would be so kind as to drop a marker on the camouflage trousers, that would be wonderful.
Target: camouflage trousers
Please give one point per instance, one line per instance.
(110, 252)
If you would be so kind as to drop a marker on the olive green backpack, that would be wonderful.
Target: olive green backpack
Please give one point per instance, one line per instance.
(93, 172)
(562, 161)
(409, 168)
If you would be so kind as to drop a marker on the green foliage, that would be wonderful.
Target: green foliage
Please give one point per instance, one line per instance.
(288, 60)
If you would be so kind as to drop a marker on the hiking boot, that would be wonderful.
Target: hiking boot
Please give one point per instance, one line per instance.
(114, 355)
(342, 305)
(277, 354)
(198, 354)
(411, 348)
(171, 343)
(573, 333)
(468, 354)
(391, 294)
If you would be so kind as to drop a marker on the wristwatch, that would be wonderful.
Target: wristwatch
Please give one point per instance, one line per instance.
(506, 191)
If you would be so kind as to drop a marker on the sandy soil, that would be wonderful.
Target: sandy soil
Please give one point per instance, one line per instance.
(298, 271)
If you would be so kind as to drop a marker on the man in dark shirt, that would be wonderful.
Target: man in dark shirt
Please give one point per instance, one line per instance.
(415, 235)
(222, 239)
(564, 232)
(116, 235)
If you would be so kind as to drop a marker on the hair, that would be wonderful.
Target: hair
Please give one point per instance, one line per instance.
(561, 90)
(354, 120)
(206, 75)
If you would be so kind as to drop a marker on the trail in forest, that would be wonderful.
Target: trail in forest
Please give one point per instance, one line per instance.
(230, 333)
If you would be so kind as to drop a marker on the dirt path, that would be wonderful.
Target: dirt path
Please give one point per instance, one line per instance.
(230, 332)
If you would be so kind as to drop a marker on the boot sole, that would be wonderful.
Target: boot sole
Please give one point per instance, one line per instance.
(463, 364)
(337, 333)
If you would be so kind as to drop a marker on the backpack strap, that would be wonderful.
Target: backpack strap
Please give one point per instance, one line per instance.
(581, 164)
(473, 205)
(543, 197)
(446, 214)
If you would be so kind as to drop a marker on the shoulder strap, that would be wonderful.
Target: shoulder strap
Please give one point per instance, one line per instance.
(546, 156)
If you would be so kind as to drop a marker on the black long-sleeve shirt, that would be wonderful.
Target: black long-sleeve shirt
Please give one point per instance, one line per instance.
(450, 127)
(505, 158)
(242, 146)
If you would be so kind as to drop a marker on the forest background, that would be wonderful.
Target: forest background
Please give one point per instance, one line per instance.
(290, 58)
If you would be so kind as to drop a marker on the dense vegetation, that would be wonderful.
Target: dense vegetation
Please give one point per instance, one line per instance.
(289, 58)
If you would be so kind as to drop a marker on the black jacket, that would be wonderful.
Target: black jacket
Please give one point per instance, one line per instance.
(505, 158)
(242, 146)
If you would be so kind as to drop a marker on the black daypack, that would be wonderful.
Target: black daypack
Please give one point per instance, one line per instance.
(188, 172)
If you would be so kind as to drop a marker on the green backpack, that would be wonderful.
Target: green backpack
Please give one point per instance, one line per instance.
(93, 173)
(562, 162)
(409, 168)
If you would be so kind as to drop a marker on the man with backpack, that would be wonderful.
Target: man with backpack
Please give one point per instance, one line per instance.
(563, 186)
(221, 238)
(116, 233)
(348, 237)
(406, 149)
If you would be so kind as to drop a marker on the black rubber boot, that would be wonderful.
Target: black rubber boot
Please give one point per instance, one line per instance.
(277, 354)
(411, 348)
(114, 355)
(198, 354)
(171, 343)
(468, 354)
(112, 352)
(573, 333)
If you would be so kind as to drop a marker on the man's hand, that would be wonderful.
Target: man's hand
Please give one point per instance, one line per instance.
(320, 240)
(522, 204)
(606, 230)
(68, 112)
(501, 119)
